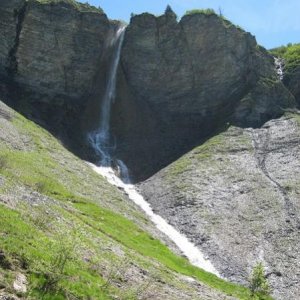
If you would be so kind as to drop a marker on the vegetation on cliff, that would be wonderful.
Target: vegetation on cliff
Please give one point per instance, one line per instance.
(207, 11)
(290, 58)
(80, 6)
(290, 54)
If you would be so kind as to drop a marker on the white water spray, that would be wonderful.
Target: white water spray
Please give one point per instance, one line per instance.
(100, 138)
(101, 142)
(279, 63)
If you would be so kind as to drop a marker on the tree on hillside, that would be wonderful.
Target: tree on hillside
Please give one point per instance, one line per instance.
(259, 286)
(169, 12)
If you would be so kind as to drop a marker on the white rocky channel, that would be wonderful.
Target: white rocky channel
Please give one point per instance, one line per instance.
(194, 255)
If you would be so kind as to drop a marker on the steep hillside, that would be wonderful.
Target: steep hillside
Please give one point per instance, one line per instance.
(237, 198)
(65, 233)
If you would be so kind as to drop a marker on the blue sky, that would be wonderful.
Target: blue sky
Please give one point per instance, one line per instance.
(273, 22)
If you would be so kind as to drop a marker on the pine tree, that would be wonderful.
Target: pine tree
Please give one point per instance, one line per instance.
(169, 12)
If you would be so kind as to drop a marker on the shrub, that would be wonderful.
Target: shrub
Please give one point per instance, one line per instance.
(3, 162)
(259, 286)
(208, 11)
(169, 12)
(54, 271)
(39, 216)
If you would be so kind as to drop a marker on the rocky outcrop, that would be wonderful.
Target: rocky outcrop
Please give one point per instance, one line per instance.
(292, 82)
(50, 59)
(180, 81)
(288, 64)
(237, 198)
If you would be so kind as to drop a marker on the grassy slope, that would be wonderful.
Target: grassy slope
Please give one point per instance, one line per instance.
(76, 217)
(211, 12)
(86, 7)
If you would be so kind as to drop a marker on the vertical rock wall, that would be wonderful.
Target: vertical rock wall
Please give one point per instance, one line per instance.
(50, 60)
(181, 81)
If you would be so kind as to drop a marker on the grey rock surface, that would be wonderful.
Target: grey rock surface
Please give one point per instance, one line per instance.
(292, 82)
(59, 49)
(237, 198)
(9, 12)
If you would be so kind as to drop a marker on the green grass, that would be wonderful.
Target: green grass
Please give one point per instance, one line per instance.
(78, 5)
(207, 11)
(34, 253)
(132, 237)
(203, 152)
(211, 12)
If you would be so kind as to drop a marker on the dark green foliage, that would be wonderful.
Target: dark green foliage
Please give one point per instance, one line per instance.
(208, 11)
(80, 6)
(211, 12)
(4, 261)
(169, 12)
(3, 162)
(259, 286)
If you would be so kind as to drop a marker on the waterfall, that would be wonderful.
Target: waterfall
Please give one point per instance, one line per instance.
(279, 64)
(100, 140)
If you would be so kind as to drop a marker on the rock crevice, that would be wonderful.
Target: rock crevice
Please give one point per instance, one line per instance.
(19, 14)
(261, 141)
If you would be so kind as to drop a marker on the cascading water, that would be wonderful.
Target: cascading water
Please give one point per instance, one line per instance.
(279, 63)
(101, 142)
(100, 138)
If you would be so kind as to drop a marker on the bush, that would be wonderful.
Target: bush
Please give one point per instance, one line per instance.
(3, 162)
(54, 271)
(39, 216)
(208, 11)
(259, 286)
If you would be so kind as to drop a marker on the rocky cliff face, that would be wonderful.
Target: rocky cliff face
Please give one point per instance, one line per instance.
(180, 81)
(289, 63)
(53, 54)
(292, 82)
(237, 198)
